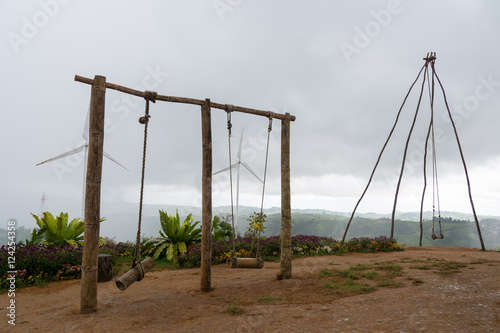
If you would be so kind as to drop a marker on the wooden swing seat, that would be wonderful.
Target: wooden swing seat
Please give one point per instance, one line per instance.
(245, 262)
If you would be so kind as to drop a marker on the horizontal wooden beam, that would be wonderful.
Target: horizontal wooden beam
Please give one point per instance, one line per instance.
(186, 100)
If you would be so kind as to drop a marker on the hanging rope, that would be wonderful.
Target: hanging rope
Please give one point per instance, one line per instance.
(229, 109)
(429, 131)
(269, 129)
(148, 96)
(431, 135)
(435, 168)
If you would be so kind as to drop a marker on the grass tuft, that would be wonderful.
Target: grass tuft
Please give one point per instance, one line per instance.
(389, 283)
(234, 309)
(349, 286)
(422, 267)
(269, 299)
(372, 275)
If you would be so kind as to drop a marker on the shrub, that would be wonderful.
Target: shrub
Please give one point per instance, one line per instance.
(57, 230)
(271, 247)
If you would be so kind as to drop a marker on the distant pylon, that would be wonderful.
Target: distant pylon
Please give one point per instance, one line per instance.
(42, 205)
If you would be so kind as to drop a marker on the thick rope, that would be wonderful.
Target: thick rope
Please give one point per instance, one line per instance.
(434, 161)
(229, 109)
(380, 156)
(148, 96)
(269, 129)
(425, 165)
(430, 129)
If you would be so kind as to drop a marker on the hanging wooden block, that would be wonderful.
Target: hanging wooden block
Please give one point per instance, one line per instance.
(133, 275)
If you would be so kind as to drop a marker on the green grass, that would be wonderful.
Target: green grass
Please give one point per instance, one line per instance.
(390, 267)
(349, 286)
(361, 267)
(389, 283)
(415, 280)
(327, 272)
(479, 261)
(271, 258)
(372, 275)
(423, 267)
(347, 273)
(448, 268)
(269, 299)
(163, 264)
(453, 265)
(350, 274)
(235, 309)
(124, 264)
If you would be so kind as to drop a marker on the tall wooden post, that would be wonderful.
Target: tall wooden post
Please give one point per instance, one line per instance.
(206, 201)
(93, 197)
(286, 208)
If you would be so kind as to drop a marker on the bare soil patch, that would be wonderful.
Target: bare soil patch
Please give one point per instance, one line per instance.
(438, 289)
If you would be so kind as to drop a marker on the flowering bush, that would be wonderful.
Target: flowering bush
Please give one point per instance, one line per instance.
(365, 244)
(301, 246)
(37, 263)
(68, 272)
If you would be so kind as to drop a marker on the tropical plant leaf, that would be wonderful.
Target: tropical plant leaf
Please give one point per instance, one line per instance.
(171, 250)
(74, 229)
(38, 221)
(159, 249)
(182, 247)
(57, 230)
(178, 236)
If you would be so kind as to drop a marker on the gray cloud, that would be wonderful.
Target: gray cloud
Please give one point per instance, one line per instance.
(283, 56)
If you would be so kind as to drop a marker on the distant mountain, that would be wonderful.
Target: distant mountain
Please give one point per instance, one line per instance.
(458, 231)
(21, 234)
(121, 224)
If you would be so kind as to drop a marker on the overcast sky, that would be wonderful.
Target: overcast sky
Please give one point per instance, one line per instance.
(341, 67)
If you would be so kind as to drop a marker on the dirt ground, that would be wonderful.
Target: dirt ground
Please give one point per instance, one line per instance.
(171, 300)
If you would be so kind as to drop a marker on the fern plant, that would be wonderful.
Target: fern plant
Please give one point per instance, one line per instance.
(175, 238)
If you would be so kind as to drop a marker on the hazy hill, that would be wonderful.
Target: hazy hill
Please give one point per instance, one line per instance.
(458, 231)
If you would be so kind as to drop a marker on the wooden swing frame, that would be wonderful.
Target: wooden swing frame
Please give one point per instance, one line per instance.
(88, 294)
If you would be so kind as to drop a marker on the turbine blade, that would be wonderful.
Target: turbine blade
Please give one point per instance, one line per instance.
(241, 143)
(68, 153)
(225, 169)
(249, 169)
(112, 159)
(85, 133)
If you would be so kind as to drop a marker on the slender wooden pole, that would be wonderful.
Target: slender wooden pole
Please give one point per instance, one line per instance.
(93, 197)
(286, 208)
(206, 188)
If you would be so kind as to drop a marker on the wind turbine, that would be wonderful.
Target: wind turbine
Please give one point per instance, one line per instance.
(237, 166)
(84, 147)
